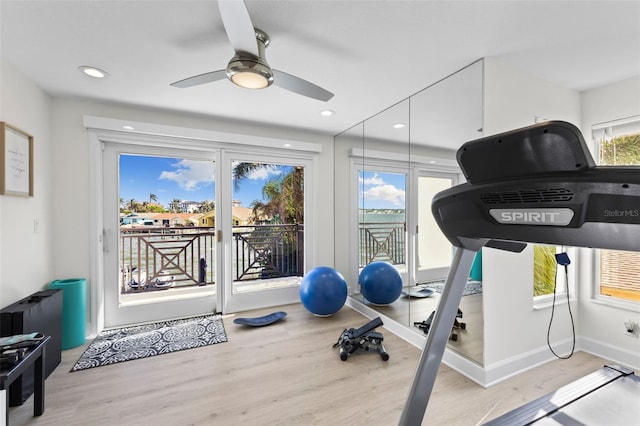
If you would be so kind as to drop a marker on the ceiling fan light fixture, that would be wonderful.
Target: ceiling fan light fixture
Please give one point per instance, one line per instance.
(250, 80)
(249, 73)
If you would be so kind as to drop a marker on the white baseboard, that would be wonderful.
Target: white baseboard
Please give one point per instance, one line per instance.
(616, 355)
(491, 374)
(509, 367)
(465, 366)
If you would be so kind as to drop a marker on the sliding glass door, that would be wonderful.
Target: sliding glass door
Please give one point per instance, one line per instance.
(265, 216)
(160, 240)
(193, 231)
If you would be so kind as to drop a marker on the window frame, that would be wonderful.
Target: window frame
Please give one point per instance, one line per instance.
(596, 293)
(103, 130)
(546, 300)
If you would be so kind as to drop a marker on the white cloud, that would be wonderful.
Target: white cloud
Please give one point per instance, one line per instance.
(372, 180)
(263, 173)
(190, 175)
(387, 193)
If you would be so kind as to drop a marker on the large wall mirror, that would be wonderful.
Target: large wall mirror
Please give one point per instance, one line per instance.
(387, 170)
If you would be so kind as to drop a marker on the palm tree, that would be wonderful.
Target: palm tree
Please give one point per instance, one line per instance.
(293, 188)
(242, 170)
(153, 198)
(283, 194)
(175, 205)
(133, 205)
(270, 208)
(205, 206)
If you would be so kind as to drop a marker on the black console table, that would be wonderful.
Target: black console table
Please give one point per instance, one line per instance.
(34, 357)
(39, 313)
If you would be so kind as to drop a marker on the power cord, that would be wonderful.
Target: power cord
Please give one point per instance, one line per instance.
(562, 259)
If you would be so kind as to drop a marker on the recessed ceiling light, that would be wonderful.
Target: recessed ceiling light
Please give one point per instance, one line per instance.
(127, 127)
(399, 125)
(93, 72)
(432, 162)
(287, 145)
(327, 113)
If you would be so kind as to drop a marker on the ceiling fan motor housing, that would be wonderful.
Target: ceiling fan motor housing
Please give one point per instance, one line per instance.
(251, 72)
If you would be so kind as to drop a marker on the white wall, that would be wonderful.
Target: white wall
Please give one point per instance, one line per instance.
(601, 325)
(515, 333)
(26, 261)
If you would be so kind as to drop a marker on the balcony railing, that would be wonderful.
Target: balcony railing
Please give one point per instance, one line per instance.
(153, 258)
(156, 258)
(381, 241)
(268, 251)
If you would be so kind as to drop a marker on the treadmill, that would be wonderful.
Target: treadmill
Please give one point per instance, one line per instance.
(538, 184)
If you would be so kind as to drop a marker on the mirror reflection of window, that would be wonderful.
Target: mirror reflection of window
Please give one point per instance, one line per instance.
(382, 218)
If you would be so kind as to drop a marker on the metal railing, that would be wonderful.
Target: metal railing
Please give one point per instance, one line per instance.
(381, 241)
(268, 251)
(153, 258)
(157, 258)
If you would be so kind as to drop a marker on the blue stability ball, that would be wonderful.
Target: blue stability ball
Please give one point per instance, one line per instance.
(323, 291)
(380, 283)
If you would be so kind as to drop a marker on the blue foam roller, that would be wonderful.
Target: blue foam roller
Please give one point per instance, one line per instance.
(74, 305)
(476, 268)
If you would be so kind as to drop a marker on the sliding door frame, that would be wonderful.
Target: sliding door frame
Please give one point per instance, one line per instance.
(102, 129)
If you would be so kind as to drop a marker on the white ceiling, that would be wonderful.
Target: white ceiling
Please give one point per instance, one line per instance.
(370, 54)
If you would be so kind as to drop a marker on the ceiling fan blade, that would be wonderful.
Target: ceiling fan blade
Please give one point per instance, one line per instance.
(196, 80)
(238, 25)
(300, 86)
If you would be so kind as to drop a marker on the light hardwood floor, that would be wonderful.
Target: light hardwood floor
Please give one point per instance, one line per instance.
(284, 374)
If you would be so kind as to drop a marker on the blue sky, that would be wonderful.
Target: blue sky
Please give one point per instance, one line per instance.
(169, 178)
(193, 180)
(381, 190)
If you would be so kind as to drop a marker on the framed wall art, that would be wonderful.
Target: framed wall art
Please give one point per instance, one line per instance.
(16, 161)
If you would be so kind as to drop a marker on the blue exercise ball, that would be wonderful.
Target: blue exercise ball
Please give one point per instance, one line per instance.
(323, 291)
(380, 283)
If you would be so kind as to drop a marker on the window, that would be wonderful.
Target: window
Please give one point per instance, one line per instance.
(618, 144)
(381, 217)
(544, 271)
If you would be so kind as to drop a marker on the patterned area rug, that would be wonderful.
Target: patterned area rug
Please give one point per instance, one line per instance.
(472, 287)
(142, 341)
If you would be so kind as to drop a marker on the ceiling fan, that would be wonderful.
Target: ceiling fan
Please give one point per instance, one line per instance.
(248, 68)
